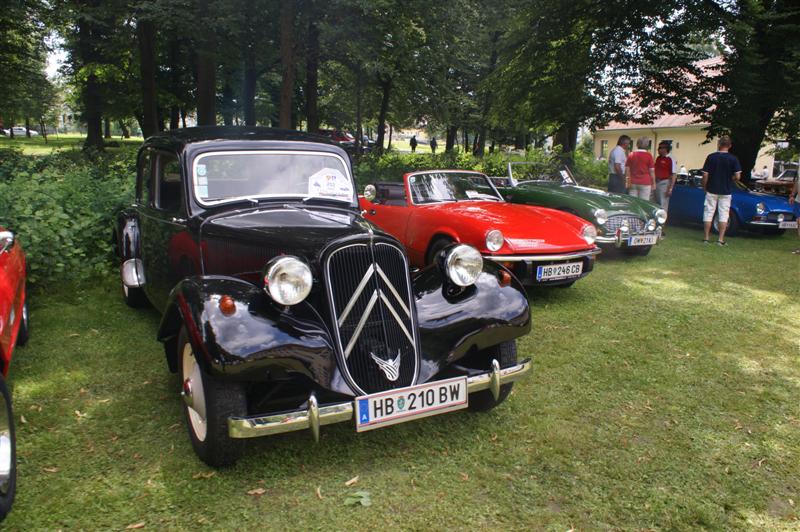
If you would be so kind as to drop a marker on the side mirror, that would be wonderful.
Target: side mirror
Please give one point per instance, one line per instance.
(6, 240)
(370, 192)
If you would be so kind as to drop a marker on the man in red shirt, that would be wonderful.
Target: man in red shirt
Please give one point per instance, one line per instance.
(640, 177)
(666, 174)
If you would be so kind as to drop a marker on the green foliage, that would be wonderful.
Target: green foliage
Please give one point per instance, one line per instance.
(61, 207)
(391, 166)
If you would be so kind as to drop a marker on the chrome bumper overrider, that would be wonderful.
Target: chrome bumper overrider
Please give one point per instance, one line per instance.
(315, 416)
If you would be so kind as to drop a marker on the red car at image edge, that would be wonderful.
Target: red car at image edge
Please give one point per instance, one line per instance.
(13, 332)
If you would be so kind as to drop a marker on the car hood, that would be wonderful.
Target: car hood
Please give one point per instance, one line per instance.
(592, 198)
(770, 201)
(300, 231)
(527, 229)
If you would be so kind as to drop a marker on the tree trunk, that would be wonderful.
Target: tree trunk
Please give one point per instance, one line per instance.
(206, 73)
(287, 65)
(249, 89)
(183, 117)
(312, 71)
(389, 145)
(466, 139)
(359, 117)
(567, 137)
(450, 140)
(519, 141)
(386, 89)
(746, 139)
(88, 36)
(106, 127)
(145, 33)
(174, 117)
(126, 133)
(227, 104)
(43, 128)
(28, 126)
(480, 143)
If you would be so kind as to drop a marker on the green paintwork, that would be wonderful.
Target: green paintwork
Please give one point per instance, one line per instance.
(579, 200)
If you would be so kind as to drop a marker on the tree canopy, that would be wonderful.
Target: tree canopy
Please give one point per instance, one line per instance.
(513, 73)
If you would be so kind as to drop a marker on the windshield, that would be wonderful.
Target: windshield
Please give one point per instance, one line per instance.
(540, 172)
(436, 187)
(219, 177)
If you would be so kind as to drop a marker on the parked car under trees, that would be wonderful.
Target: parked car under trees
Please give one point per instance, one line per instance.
(622, 221)
(432, 209)
(283, 309)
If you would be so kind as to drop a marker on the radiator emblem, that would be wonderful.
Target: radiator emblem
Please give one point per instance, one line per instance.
(390, 368)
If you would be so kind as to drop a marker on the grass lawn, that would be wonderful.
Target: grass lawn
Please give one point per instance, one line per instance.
(69, 141)
(664, 395)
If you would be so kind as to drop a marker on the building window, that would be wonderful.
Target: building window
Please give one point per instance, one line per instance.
(603, 149)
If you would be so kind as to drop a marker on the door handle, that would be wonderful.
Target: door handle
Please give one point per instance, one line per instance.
(372, 212)
(178, 220)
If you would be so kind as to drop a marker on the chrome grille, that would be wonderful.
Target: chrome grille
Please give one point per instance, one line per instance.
(773, 216)
(634, 223)
(369, 291)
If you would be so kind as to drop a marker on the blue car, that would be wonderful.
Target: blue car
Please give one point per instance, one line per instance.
(754, 211)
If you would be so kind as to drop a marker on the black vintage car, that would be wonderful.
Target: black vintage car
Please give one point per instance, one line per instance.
(283, 309)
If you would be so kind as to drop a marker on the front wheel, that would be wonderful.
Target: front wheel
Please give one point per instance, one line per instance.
(24, 326)
(436, 246)
(506, 354)
(207, 405)
(733, 224)
(8, 452)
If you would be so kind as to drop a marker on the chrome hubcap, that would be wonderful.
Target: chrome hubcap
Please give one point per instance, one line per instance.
(192, 392)
(5, 447)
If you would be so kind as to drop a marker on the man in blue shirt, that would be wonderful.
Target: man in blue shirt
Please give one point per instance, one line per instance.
(720, 171)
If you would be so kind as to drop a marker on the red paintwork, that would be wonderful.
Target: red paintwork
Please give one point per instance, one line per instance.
(12, 296)
(469, 221)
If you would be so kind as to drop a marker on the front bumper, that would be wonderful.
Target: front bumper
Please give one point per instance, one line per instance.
(524, 266)
(620, 237)
(316, 416)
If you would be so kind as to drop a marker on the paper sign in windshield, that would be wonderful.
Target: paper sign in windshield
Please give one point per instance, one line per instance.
(471, 194)
(330, 183)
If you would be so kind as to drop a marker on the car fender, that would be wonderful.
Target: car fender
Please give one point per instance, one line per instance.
(454, 321)
(257, 339)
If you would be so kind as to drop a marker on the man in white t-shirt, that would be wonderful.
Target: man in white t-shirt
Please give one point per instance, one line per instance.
(616, 165)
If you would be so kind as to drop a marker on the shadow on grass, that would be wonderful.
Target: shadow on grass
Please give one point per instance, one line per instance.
(663, 396)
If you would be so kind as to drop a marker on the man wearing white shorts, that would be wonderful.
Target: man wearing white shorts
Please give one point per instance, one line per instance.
(720, 171)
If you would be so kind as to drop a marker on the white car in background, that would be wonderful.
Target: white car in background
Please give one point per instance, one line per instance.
(19, 131)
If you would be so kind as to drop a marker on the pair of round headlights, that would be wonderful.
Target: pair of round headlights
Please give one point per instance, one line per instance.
(288, 279)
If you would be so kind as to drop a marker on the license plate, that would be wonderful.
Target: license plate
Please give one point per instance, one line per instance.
(788, 225)
(414, 402)
(559, 271)
(642, 240)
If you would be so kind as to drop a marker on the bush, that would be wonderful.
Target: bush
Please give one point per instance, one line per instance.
(392, 165)
(62, 206)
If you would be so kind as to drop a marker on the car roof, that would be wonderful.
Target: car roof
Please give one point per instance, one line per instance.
(178, 139)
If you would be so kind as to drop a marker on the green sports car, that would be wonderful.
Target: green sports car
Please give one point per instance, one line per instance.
(622, 221)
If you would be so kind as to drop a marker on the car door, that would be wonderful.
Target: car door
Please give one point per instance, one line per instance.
(163, 219)
(686, 202)
(390, 210)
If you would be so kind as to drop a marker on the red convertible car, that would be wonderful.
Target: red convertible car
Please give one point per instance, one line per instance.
(13, 332)
(430, 210)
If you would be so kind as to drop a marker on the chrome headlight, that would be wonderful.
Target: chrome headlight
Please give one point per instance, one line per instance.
(464, 264)
(651, 225)
(661, 216)
(761, 208)
(601, 216)
(494, 240)
(288, 280)
(589, 234)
